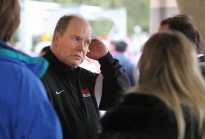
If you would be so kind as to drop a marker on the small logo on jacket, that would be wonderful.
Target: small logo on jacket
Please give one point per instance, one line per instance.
(59, 92)
(85, 93)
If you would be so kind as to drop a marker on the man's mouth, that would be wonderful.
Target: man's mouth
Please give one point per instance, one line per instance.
(78, 56)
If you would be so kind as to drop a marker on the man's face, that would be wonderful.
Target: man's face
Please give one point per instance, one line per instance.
(72, 47)
(164, 27)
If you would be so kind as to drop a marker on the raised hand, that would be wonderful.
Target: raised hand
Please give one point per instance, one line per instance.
(97, 49)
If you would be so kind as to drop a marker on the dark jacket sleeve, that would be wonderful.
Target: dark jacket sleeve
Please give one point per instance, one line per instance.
(115, 81)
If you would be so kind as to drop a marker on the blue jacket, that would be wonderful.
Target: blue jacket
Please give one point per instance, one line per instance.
(25, 111)
(127, 65)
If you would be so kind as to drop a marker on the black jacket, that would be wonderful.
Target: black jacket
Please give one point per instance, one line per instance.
(71, 91)
(144, 117)
(202, 64)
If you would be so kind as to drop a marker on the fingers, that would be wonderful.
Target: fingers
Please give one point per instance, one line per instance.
(95, 38)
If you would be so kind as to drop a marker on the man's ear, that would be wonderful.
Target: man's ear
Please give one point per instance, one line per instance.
(56, 38)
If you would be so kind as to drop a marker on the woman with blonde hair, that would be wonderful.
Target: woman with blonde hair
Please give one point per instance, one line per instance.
(169, 101)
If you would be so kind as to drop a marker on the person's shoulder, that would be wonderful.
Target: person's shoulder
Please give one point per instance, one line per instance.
(17, 71)
(138, 110)
(15, 68)
(17, 59)
(28, 68)
(15, 77)
(130, 63)
(140, 98)
(86, 72)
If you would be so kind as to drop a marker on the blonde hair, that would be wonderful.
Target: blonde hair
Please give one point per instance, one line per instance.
(169, 69)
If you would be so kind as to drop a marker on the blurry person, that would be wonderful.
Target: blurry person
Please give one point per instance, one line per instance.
(25, 110)
(39, 46)
(78, 94)
(169, 101)
(112, 47)
(44, 50)
(186, 24)
(127, 64)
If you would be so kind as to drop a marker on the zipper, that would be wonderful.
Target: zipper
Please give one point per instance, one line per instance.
(63, 83)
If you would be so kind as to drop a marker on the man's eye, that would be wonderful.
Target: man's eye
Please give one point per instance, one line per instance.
(87, 43)
(75, 39)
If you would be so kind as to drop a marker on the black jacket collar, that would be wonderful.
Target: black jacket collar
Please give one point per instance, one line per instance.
(58, 66)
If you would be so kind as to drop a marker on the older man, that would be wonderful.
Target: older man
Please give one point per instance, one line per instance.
(76, 93)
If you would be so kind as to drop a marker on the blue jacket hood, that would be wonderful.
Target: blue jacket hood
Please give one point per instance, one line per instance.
(38, 65)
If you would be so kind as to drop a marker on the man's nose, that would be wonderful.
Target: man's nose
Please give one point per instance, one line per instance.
(81, 45)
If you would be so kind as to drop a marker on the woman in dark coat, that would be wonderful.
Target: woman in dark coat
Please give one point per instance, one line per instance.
(169, 101)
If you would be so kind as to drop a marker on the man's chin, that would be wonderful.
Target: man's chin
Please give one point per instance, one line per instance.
(76, 64)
